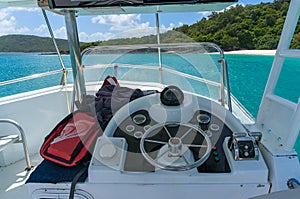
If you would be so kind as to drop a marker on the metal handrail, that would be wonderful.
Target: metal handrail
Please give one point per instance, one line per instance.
(227, 85)
(23, 140)
(29, 77)
(224, 73)
(212, 83)
(63, 78)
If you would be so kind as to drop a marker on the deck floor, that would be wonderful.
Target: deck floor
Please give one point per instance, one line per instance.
(13, 177)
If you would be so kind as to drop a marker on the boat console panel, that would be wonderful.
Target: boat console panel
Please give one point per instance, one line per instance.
(134, 127)
(178, 131)
(173, 131)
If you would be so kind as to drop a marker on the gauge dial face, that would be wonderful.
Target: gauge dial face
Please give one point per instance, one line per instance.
(203, 118)
(130, 128)
(139, 119)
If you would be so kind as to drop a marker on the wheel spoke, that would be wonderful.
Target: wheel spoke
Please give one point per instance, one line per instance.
(186, 133)
(156, 141)
(195, 145)
(167, 131)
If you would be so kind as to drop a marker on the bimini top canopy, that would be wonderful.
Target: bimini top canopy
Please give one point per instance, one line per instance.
(88, 7)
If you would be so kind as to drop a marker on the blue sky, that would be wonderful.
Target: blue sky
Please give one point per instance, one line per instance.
(30, 21)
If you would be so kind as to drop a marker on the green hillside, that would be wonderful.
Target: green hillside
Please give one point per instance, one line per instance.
(30, 43)
(168, 37)
(250, 27)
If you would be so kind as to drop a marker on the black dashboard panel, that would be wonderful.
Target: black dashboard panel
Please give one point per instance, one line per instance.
(134, 158)
(132, 131)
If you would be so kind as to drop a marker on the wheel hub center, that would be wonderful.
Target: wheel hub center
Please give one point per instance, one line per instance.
(175, 146)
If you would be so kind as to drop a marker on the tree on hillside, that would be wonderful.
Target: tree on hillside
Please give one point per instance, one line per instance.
(250, 27)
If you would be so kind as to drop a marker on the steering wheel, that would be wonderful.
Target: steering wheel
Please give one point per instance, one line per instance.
(174, 145)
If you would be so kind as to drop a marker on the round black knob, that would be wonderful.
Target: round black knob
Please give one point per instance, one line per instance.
(172, 96)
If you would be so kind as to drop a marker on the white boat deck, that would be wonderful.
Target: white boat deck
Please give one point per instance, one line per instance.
(13, 178)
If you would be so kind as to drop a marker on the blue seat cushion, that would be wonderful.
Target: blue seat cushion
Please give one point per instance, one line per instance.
(49, 172)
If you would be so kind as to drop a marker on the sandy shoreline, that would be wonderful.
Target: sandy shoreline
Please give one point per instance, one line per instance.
(252, 52)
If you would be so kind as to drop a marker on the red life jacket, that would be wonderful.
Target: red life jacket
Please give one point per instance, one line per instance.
(72, 140)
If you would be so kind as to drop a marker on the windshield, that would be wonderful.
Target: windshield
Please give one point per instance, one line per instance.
(194, 67)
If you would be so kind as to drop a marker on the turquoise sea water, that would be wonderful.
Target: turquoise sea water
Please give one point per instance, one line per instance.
(247, 74)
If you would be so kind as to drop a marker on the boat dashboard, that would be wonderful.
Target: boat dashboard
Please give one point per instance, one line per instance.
(175, 131)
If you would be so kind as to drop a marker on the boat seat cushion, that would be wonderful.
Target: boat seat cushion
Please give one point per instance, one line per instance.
(49, 172)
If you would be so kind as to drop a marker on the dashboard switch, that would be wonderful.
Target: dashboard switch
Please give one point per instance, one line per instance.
(244, 148)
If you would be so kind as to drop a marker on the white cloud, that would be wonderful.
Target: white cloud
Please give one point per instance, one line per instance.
(205, 14)
(120, 22)
(3, 14)
(8, 26)
(17, 9)
(8, 22)
(98, 36)
(136, 32)
(127, 26)
(8, 11)
(60, 33)
(171, 26)
(115, 26)
(120, 26)
(41, 29)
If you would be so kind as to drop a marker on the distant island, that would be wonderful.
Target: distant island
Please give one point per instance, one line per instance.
(251, 27)
(30, 43)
